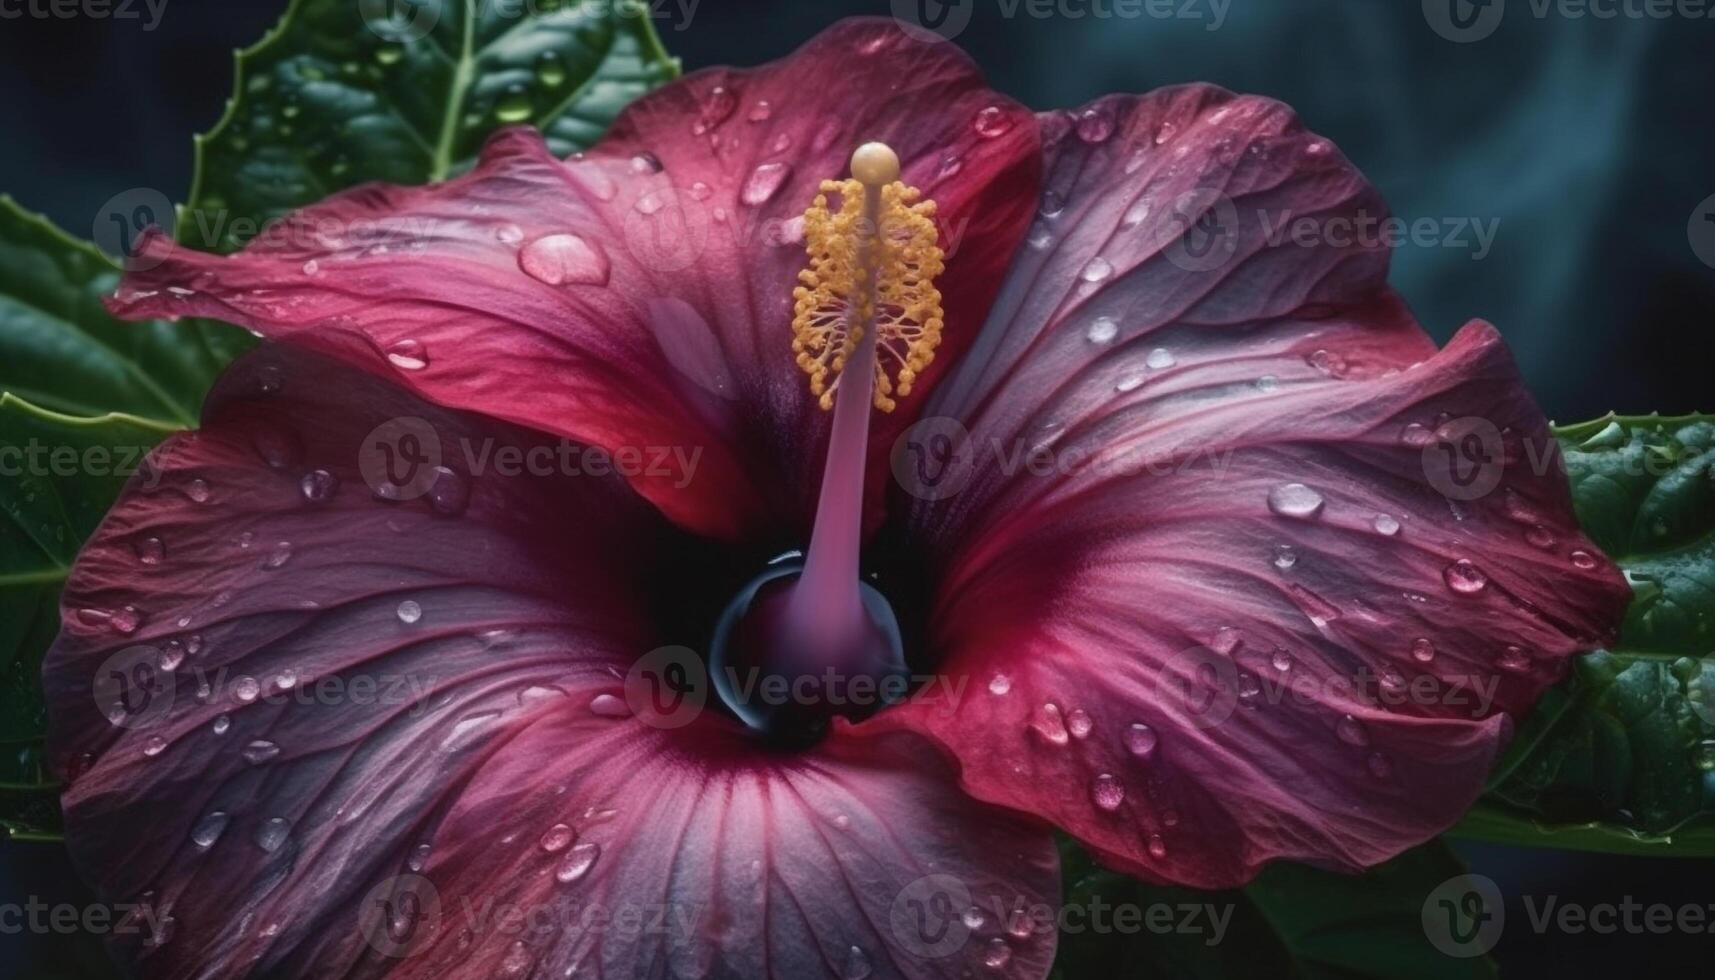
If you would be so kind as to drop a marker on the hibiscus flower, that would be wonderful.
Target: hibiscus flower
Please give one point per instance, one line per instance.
(1120, 523)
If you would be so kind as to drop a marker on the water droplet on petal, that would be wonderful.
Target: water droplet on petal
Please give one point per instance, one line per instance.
(1351, 731)
(1417, 436)
(997, 955)
(246, 689)
(1540, 537)
(154, 745)
(1385, 525)
(198, 491)
(1583, 560)
(610, 706)
(272, 834)
(1281, 659)
(1130, 382)
(1464, 577)
(409, 611)
(1096, 270)
(221, 724)
(150, 551)
(1141, 740)
(558, 838)
(646, 163)
(577, 863)
(1284, 557)
(1160, 359)
(408, 355)
(991, 122)
(509, 234)
(764, 182)
(312, 267)
(1049, 724)
(760, 111)
(1096, 124)
(1422, 650)
(1078, 723)
(1107, 792)
(278, 556)
(1102, 330)
(260, 751)
(449, 494)
(1514, 660)
(318, 486)
(973, 918)
(717, 105)
(209, 828)
(564, 259)
(1000, 684)
(1295, 500)
(857, 966)
(1157, 847)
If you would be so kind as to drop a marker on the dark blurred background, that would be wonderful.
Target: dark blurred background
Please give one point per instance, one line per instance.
(1591, 141)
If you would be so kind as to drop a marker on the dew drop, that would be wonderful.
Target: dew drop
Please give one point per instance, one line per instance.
(311, 267)
(1102, 330)
(260, 751)
(208, 830)
(1049, 724)
(1295, 500)
(1130, 382)
(609, 706)
(857, 966)
(409, 611)
(1417, 436)
(318, 486)
(278, 556)
(764, 182)
(1465, 578)
(997, 955)
(1107, 792)
(973, 918)
(449, 494)
(1000, 684)
(717, 106)
(1351, 731)
(1160, 359)
(577, 863)
(1514, 660)
(154, 745)
(245, 689)
(1422, 650)
(509, 234)
(1096, 270)
(1540, 537)
(564, 259)
(418, 858)
(760, 111)
(549, 70)
(1583, 560)
(198, 491)
(1281, 659)
(1284, 557)
(221, 725)
(272, 834)
(408, 355)
(991, 122)
(1095, 124)
(1141, 740)
(150, 551)
(514, 106)
(1157, 847)
(1385, 525)
(1078, 723)
(558, 838)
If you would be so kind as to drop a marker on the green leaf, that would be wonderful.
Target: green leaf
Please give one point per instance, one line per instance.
(59, 348)
(1621, 757)
(325, 101)
(58, 475)
(1292, 922)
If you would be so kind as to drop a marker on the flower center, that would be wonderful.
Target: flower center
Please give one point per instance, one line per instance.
(866, 322)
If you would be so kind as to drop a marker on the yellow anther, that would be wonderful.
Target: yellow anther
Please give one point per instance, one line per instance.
(867, 269)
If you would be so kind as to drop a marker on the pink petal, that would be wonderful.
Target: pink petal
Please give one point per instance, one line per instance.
(1252, 618)
(640, 296)
(329, 697)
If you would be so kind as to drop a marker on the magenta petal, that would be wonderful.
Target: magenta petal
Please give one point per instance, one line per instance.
(280, 703)
(1241, 612)
(640, 295)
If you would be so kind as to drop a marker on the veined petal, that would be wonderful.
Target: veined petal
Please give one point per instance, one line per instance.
(640, 296)
(1277, 572)
(312, 731)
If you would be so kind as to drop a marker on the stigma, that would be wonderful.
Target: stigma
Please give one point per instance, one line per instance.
(866, 313)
